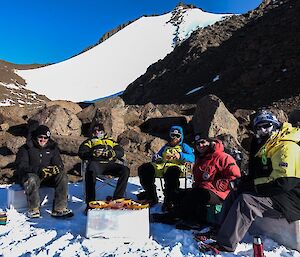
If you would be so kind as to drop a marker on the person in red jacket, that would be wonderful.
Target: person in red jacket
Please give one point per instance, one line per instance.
(213, 171)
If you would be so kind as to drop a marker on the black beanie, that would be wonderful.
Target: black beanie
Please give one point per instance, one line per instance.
(42, 130)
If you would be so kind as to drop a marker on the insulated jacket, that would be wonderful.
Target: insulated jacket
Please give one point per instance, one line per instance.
(114, 150)
(279, 162)
(161, 164)
(215, 169)
(32, 158)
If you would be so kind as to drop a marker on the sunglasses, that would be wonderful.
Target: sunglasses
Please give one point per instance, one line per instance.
(264, 126)
(172, 135)
(43, 137)
(201, 141)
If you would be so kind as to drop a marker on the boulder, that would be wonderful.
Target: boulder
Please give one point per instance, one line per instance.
(4, 126)
(15, 115)
(73, 107)
(111, 113)
(6, 160)
(149, 111)
(211, 118)
(71, 163)
(156, 144)
(294, 117)
(69, 144)
(61, 121)
(14, 143)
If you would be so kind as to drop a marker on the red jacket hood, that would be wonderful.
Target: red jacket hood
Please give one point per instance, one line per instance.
(218, 146)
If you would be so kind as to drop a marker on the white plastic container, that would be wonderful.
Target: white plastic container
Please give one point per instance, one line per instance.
(16, 197)
(122, 224)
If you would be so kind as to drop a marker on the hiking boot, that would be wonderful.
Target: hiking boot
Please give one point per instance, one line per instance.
(168, 207)
(214, 247)
(142, 195)
(165, 218)
(33, 213)
(211, 234)
(63, 213)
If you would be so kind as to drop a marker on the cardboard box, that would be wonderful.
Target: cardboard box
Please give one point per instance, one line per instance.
(123, 224)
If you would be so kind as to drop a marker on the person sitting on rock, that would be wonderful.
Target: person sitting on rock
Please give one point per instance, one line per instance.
(104, 157)
(213, 171)
(39, 163)
(168, 163)
(272, 187)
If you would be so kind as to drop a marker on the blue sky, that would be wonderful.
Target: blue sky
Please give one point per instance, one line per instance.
(49, 31)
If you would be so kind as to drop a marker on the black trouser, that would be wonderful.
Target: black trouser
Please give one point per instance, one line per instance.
(32, 182)
(191, 204)
(96, 168)
(146, 173)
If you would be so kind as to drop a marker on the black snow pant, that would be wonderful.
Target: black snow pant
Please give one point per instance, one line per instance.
(192, 204)
(96, 168)
(238, 213)
(32, 182)
(146, 173)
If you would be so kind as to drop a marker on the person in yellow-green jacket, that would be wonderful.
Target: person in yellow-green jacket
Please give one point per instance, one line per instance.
(167, 163)
(104, 156)
(272, 186)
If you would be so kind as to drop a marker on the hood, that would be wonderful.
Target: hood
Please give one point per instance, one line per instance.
(286, 133)
(218, 146)
(180, 130)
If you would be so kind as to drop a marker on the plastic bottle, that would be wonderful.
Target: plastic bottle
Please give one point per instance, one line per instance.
(258, 247)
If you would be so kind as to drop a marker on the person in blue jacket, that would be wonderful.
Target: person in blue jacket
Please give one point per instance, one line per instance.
(168, 163)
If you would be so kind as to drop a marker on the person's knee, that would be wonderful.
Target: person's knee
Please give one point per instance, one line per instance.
(146, 169)
(172, 172)
(31, 184)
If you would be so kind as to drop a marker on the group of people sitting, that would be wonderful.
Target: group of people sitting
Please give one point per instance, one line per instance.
(270, 189)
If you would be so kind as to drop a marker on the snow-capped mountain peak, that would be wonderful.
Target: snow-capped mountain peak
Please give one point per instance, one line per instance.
(111, 66)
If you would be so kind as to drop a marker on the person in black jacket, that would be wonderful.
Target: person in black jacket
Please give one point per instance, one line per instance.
(104, 157)
(39, 163)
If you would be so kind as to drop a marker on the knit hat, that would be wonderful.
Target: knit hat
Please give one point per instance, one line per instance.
(42, 130)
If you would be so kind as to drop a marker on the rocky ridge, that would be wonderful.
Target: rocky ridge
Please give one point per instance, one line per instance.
(244, 57)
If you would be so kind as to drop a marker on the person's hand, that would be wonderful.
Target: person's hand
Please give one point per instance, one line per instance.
(49, 171)
(176, 156)
(97, 152)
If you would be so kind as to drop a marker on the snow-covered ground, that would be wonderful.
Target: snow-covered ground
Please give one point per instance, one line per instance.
(51, 237)
(111, 66)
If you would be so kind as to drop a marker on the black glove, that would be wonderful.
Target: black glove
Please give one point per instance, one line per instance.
(104, 153)
(49, 171)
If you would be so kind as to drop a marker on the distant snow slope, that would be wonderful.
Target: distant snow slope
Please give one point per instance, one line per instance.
(112, 65)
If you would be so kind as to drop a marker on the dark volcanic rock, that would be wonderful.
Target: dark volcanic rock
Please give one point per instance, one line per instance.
(249, 61)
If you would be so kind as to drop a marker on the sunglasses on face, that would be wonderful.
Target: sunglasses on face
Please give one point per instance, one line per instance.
(264, 126)
(201, 141)
(43, 137)
(172, 135)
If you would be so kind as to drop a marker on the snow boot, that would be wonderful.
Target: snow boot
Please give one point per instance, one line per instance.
(64, 213)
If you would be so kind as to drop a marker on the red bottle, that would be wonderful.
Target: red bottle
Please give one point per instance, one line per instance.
(258, 247)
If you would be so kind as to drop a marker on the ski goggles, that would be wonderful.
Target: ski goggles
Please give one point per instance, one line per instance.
(264, 126)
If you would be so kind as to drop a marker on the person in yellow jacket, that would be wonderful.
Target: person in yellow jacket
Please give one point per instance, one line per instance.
(104, 156)
(272, 187)
(167, 163)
